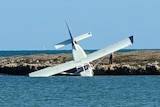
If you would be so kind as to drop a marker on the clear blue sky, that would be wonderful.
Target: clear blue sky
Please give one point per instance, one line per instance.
(39, 24)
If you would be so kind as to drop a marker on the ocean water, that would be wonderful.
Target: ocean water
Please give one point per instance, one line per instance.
(33, 52)
(75, 91)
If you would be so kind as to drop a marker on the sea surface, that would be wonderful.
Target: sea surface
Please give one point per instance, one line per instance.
(76, 91)
(8, 53)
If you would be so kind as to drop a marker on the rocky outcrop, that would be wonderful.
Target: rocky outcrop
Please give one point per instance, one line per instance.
(116, 69)
(23, 65)
(127, 63)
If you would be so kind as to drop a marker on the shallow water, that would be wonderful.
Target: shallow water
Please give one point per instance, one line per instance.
(97, 91)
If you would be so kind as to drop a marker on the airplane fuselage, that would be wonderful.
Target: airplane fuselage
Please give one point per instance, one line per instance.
(85, 70)
(79, 54)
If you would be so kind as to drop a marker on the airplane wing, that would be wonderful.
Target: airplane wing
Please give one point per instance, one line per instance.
(110, 49)
(49, 71)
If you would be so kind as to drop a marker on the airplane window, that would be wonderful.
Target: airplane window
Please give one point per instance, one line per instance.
(80, 69)
(86, 67)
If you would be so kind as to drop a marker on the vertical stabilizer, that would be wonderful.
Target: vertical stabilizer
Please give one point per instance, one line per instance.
(77, 52)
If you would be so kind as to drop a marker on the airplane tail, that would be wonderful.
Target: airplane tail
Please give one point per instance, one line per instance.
(68, 41)
(62, 44)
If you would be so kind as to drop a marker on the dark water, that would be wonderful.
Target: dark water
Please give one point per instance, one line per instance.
(97, 91)
(63, 91)
(33, 52)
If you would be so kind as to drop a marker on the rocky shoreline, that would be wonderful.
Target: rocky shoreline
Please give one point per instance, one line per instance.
(144, 62)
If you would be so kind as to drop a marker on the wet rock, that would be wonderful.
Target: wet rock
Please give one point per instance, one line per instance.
(128, 63)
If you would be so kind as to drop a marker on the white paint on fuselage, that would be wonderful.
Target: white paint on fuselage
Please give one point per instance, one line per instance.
(79, 54)
(85, 70)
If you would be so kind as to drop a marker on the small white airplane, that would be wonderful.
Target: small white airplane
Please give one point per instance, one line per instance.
(81, 61)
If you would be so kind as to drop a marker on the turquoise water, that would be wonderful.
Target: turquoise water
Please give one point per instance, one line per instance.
(74, 91)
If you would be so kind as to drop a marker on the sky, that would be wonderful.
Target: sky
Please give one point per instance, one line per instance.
(40, 24)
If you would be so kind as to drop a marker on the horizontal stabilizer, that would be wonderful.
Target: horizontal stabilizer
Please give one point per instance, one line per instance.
(84, 36)
(62, 44)
(66, 42)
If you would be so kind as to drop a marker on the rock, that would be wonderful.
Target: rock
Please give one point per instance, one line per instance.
(126, 63)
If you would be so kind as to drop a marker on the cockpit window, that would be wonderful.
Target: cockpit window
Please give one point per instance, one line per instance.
(86, 67)
(80, 69)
